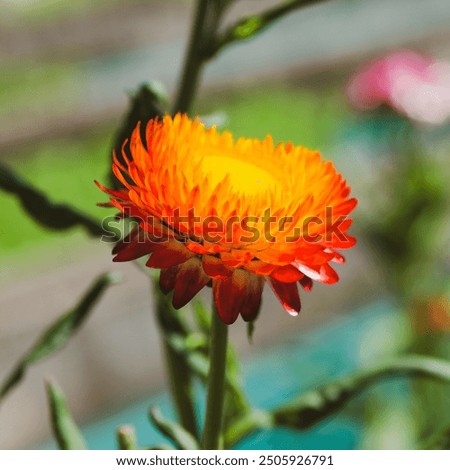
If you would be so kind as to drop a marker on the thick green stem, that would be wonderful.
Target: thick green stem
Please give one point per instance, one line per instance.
(216, 384)
(193, 60)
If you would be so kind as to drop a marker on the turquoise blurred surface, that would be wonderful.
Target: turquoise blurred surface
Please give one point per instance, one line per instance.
(275, 374)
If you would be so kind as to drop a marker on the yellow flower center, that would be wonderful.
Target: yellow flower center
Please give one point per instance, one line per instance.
(244, 176)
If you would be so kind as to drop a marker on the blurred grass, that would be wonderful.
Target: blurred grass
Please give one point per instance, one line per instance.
(310, 117)
(65, 168)
(27, 85)
(45, 11)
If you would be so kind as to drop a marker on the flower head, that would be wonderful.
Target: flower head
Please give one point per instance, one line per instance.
(411, 84)
(230, 214)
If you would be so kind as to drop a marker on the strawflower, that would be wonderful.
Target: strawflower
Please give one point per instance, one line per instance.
(413, 85)
(230, 214)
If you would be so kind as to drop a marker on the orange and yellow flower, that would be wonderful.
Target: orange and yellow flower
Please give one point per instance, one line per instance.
(230, 214)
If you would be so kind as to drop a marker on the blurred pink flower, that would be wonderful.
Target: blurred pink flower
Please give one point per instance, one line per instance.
(413, 85)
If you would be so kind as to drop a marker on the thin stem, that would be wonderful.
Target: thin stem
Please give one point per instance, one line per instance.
(254, 24)
(178, 373)
(193, 60)
(216, 384)
(126, 438)
(181, 389)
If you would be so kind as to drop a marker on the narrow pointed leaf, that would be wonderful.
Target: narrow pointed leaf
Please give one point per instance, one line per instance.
(248, 27)
(64, 428)
(311, 407)
(173, 431)
(37, 205)
(169, 319)
(126, 437)
(60, 332)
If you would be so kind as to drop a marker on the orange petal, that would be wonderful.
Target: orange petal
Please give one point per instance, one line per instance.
(287, 293)
(337, 257)
(168, 254)
(135, 249)
(259, 267)
(306, 283)
(230, 260)
(229, 294)
(252, 300)
(347, 243)
(346, 207)
(123, 196)
(214, 267)
(286, 273)
(119, 246)
(167, 278)
(276, 257)
(196, 248)
(189, 281)
(324, 273)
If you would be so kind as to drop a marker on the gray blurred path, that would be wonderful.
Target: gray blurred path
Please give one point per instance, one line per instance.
(320, 37)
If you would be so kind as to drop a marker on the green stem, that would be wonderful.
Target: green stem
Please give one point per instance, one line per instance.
(193, 61)
(126, 438)
(254, 24)
(216, 384)
(181, 389)
(177, 370)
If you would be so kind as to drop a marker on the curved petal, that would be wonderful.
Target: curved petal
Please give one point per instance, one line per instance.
(324, 273)
(286, 274)
(214, 267)
(287, 293)
(122, 195)
(229, 295)
(252, 299)
(307, 283)
(120, 245)
(135, 249)
(167, 254)
(167, 278)
(190, 280)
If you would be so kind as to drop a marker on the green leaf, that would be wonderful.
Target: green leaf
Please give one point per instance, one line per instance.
(64, 428)
(311, 407)
(59, 333)
(169, 319)
(37, 205)
(173, 431)
(196, 360)
(246, 424)
(126, 437)
(248, 27)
